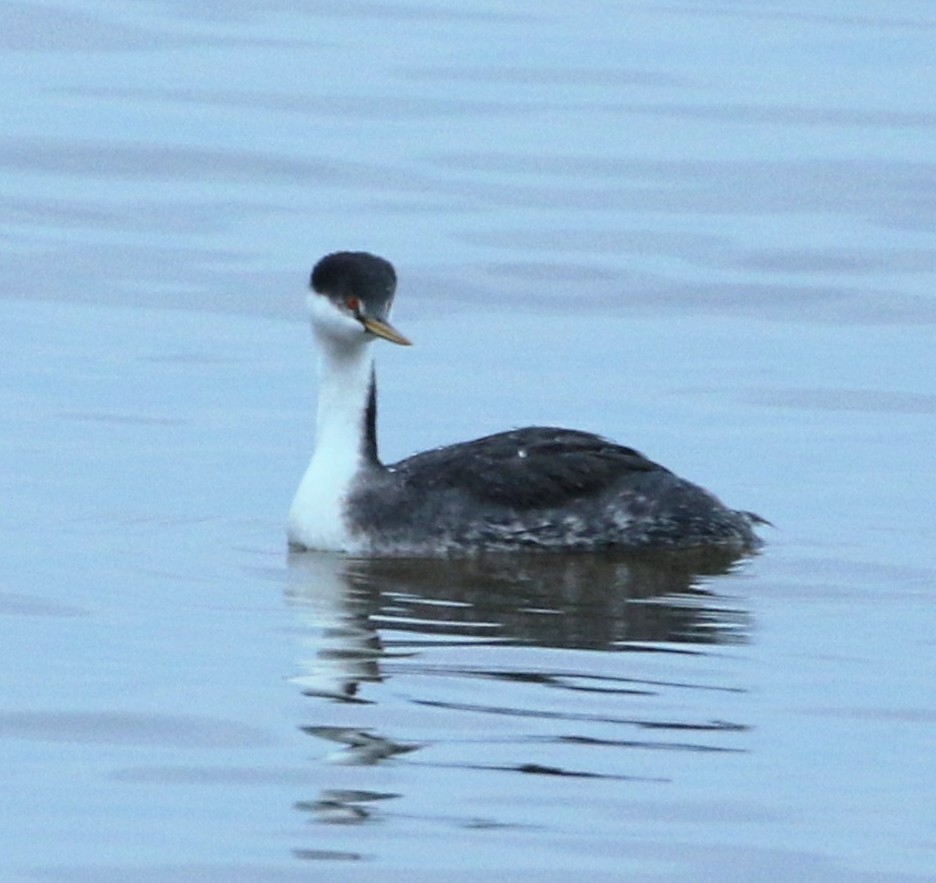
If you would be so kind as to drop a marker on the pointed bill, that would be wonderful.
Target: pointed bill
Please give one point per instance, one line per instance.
(384, 330)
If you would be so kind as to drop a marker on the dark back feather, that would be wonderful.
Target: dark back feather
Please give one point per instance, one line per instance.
(525, 468)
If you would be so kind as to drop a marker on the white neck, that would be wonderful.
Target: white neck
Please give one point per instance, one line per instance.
(316, 520)
(344, 388)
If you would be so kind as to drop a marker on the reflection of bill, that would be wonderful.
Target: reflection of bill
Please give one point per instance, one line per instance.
(359, 747)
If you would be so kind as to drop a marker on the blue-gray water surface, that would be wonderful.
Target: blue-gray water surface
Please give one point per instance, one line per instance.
(703, 230)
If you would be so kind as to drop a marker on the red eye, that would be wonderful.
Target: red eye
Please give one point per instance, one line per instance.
(353, 304)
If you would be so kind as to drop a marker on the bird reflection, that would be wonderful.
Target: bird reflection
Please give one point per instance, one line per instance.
(363, 618)
(576, 601)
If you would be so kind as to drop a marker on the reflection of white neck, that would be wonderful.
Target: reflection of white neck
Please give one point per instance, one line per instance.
(316, 520)
(341, 647)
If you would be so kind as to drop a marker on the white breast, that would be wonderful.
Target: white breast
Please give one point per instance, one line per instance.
(317, 516)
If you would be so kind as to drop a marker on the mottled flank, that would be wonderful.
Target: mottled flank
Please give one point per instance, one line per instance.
(536, 488)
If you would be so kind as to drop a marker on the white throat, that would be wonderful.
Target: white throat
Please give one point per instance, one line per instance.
(317, 518)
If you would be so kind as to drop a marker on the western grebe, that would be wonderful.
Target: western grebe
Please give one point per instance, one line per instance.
(525, 489)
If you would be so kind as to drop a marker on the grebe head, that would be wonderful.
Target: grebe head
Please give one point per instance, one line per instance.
(352, 293)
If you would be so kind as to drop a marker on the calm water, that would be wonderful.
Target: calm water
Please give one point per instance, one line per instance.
(706, 231)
